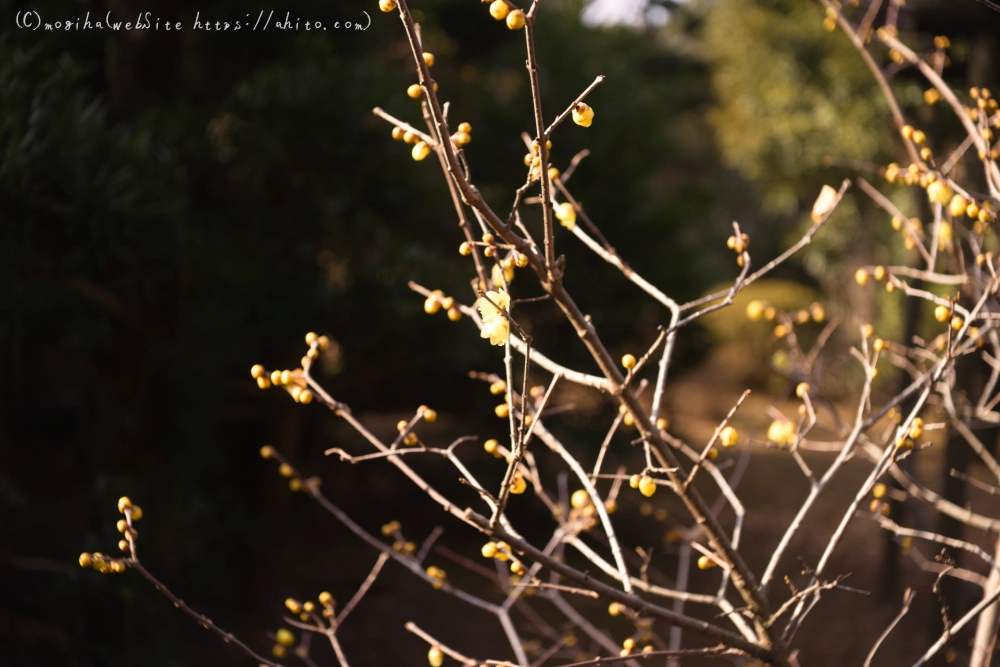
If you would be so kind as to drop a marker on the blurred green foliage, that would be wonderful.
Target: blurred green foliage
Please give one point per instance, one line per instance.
(789, 96)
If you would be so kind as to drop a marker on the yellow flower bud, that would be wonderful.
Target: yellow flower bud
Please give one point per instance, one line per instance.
(284, 637)
(579, 499)
(957, 205)
(566, 214)
(428, 59)
(515, 20)
(628, 361)
(704, 563)
(519, 485)
(781, 432)
(755, 310)
(939, 191)
(729, 436)
(420, 151)
(647, 486)
(583, 115)
(499, 10)
(817, 312)
(385, 6)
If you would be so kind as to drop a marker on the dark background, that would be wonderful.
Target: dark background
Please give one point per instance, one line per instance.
(175, 207)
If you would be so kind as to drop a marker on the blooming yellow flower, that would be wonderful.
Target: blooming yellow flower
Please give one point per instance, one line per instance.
(508, 275)
(495, 325)
(824, 203)
(566, 215)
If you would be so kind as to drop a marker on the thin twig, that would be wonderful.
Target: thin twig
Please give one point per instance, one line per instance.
(907, 599)
(369, 580)
(202, 620)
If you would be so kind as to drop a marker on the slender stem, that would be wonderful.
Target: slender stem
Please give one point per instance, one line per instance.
(204, 621)
(542, 139)
(383, 557)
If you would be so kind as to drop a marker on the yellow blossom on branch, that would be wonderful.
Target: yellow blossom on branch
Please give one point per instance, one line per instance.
(495, 325)
(499, 275)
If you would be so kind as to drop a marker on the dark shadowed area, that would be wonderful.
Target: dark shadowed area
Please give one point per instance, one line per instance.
(176, 206)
